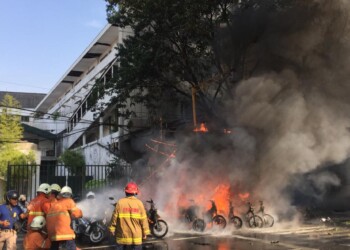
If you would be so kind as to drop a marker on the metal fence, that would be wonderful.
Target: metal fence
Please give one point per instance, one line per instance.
(27, 178)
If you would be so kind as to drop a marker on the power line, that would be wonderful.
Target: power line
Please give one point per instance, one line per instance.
(21, 84)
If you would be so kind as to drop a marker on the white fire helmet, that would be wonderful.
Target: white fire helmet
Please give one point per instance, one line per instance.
(22, 197)
(90, 195)
(66, 192)
(44, 188)
(55, 187)
(38, 222)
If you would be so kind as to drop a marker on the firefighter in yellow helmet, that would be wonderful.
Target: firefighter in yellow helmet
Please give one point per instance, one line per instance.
(129, 222)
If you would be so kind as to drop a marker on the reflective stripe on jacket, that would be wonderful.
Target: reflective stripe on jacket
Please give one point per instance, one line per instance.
(36, 240)
(35, 208)
(58, 219)
(129, 221)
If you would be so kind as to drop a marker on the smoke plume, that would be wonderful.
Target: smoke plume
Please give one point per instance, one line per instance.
(289, 116)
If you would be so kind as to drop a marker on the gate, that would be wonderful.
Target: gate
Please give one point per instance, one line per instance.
(27, 178)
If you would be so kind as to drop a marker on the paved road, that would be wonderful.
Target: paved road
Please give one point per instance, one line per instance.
(307, 237)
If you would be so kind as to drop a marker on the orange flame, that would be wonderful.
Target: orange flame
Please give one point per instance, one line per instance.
(202, 128)
(244, 196)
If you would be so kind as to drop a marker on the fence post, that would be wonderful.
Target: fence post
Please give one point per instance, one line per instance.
(8, 179)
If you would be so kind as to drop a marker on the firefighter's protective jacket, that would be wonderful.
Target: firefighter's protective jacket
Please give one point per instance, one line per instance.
(58, 219)
(129, 221)
(36, 240)
(47, 204)
(35, 207)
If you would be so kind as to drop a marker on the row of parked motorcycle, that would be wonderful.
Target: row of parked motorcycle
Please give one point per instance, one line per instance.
(214, 220)
(94, 231)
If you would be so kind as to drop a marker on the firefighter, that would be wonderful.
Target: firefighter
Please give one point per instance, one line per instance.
(129, 223)
(36, 238)
(58, 220)
(35, 205)
(90, 195)
(55, 191)
(22, 202)
(10, 213)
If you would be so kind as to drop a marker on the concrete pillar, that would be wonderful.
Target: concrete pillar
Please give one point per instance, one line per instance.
(101, 128)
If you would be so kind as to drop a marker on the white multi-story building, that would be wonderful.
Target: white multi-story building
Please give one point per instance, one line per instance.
(69, 110)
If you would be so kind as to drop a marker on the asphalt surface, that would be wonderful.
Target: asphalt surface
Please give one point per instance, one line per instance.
(306, 237)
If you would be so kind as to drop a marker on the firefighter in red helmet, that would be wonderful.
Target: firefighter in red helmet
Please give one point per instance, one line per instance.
(129, 223)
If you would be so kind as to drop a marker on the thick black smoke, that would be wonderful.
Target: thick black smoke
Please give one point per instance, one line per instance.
(294, 101)
(289, 117)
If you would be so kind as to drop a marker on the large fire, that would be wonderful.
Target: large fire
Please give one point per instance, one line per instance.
(222, 195)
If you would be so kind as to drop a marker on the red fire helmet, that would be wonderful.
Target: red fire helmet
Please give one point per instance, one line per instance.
(131, 188)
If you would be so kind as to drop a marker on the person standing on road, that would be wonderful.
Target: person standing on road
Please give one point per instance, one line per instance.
(129, 222)
(10, 213)
(35, 205)
(58, 220)
(36, 238)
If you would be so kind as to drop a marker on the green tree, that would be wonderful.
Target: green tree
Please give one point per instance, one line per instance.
(74, 161)
(11, 132)
(185, 47)
(10, 155)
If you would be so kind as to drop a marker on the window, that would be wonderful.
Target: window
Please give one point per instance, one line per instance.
(24, 118)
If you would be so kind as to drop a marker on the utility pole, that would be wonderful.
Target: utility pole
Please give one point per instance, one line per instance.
(194, 107)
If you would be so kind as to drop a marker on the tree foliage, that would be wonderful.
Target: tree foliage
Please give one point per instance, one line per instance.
(10, 122)
(74, 161)
(10, 155)
(11, 132)
(183, 46)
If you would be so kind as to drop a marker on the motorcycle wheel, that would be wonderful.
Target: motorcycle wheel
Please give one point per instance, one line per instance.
(198, 225)
(268, 220)
(255, 221)
(24, 226)
(97, 235)
(219, 222)
(236, 221)
(159, 229)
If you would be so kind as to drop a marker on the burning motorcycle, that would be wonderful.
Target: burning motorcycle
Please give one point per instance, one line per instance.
(190, 215)
(213, 218)
(233, 219)
(159, 228)
(89, 229)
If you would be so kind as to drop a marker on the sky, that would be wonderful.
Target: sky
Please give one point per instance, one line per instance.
(41, 39)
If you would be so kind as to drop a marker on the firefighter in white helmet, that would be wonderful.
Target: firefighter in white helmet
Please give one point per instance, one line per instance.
(59, 220)
(90, 195)
(55, 191)
(35, 205)
(36, 238)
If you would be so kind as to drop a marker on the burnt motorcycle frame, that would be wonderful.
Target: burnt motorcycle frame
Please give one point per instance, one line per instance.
(232, 218)
(213, 218)
(191, 216)
(252, 219)
(267, 218)
(159, 228)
